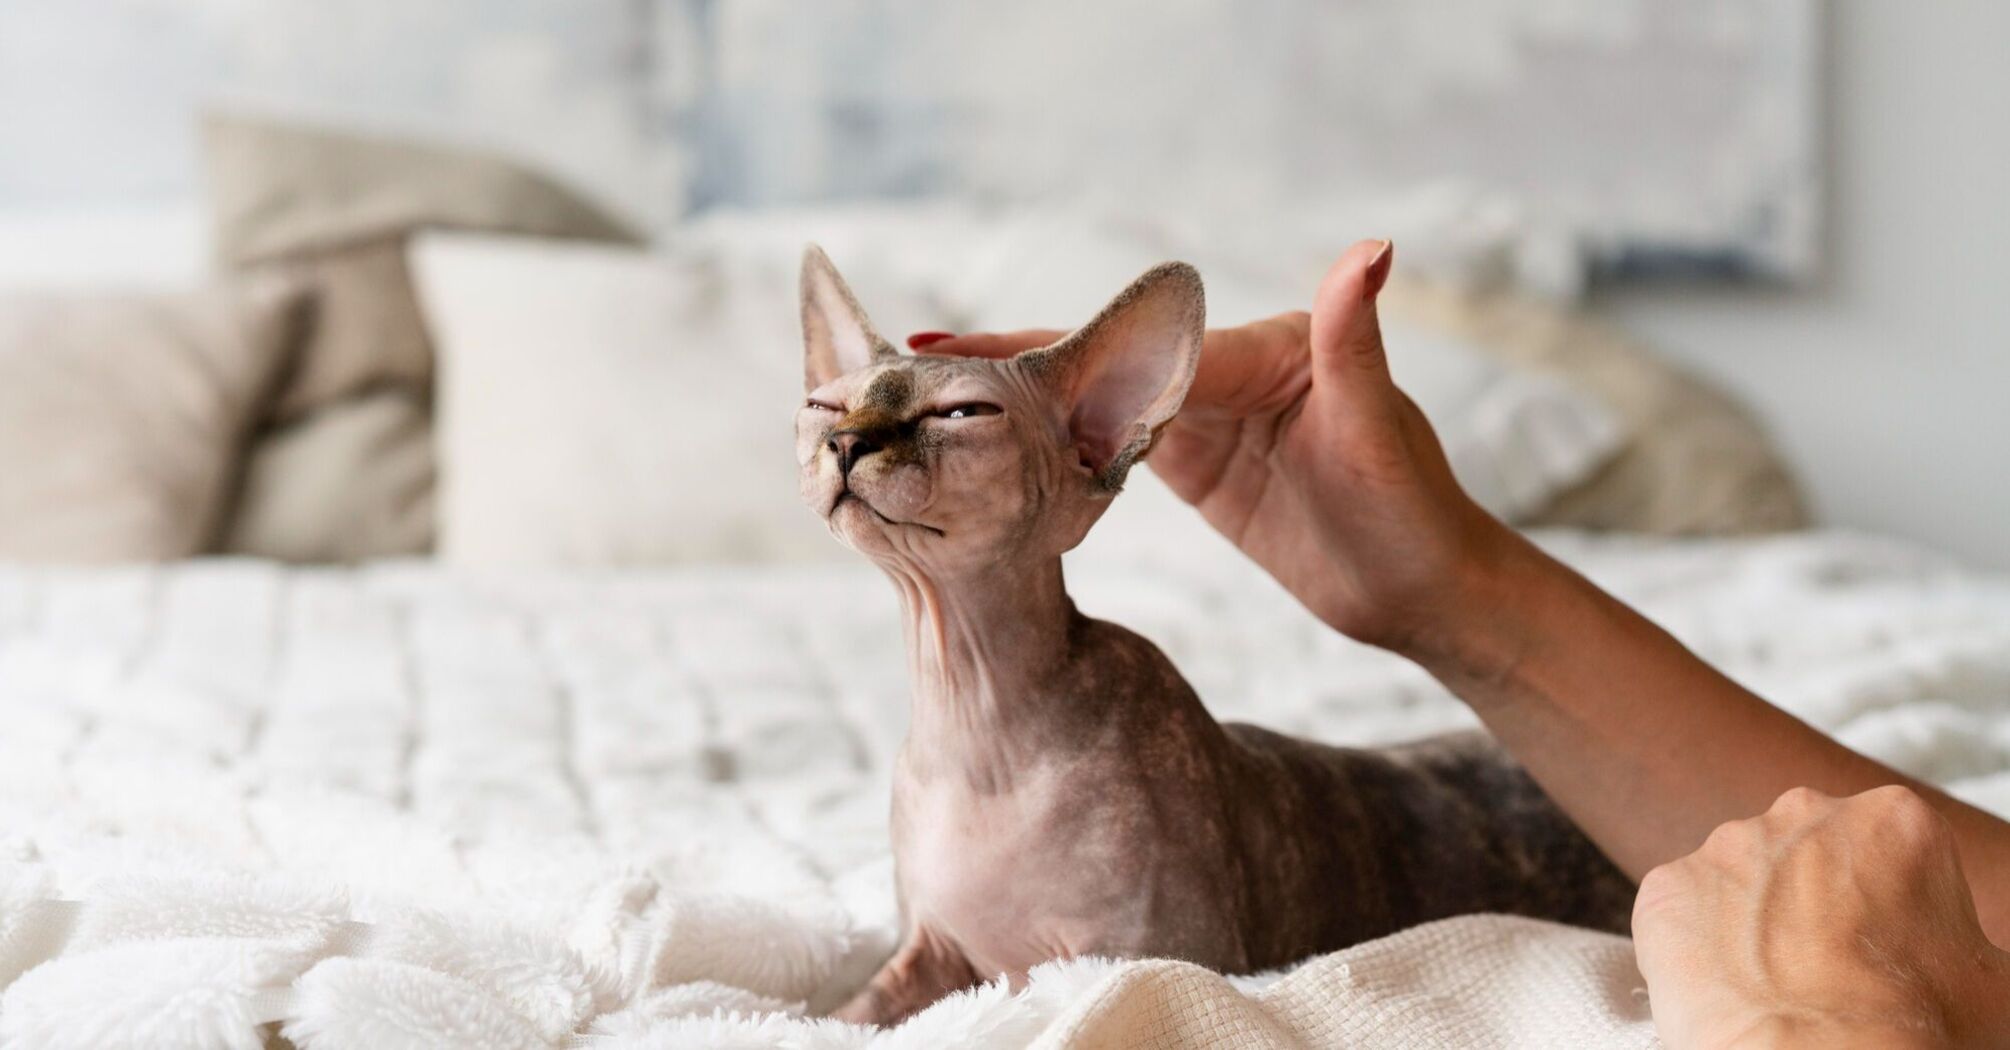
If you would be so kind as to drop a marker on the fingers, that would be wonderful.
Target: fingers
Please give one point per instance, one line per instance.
(1243, 368)
(1239, 367)
(983, 344)
(1346, 334)
(1893, 821)
(1661, 888)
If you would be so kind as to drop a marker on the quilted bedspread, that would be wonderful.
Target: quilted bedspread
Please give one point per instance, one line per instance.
(398, 806)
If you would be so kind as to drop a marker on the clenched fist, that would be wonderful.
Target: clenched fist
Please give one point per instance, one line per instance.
(1823, 922)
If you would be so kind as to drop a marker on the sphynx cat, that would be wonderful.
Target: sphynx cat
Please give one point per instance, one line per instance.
(1062, 791)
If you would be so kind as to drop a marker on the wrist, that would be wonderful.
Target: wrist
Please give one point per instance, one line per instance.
(1791, 1032)
(1969, 1012)
(1490, 617)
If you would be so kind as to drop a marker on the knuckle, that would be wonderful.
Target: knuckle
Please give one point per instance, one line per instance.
(1659, 889)
(1902, 816)
(1731, 838)
(1800, 801)
(1894, 798)
(1664, 880)
(1293, 325)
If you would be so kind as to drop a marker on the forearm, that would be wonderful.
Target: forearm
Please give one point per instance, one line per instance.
(1646, 746)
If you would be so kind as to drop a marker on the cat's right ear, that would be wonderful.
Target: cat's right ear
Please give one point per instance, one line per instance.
(837, 336)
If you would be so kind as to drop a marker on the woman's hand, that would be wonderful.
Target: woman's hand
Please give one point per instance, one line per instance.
(1823, 922)
(1296, 445)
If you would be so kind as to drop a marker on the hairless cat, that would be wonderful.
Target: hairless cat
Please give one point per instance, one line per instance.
(1062, 791)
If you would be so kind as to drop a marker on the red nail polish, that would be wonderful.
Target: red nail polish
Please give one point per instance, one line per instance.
(921, 339)
(1378, 270)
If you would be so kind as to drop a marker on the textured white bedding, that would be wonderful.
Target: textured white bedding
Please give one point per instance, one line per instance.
(400, 807)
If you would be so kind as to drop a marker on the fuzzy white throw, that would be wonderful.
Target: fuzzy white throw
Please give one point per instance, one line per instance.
(396, 807)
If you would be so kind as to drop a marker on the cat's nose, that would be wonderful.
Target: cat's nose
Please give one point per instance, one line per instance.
(851, 446)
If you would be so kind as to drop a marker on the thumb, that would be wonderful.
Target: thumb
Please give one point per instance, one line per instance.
(1346, 333)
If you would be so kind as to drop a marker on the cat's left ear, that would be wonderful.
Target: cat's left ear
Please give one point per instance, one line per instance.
(837, 336)
(1124, 374)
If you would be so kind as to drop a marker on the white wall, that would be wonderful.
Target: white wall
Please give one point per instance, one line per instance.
(1889, 382)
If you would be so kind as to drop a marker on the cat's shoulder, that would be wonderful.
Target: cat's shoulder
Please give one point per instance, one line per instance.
(1114, 645)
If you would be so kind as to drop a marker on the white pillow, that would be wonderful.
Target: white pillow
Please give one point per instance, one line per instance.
(603, 406)
(1516, 440)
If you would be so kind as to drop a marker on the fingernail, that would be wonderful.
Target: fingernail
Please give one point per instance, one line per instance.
(1378, 270)
(921, 339)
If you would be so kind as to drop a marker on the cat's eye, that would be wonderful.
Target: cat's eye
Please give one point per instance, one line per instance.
(968, 410)
(823, 406)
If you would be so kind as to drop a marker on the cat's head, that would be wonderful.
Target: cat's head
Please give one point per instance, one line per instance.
(954, 464)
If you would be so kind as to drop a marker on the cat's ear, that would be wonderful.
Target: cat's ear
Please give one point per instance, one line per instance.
(837, 336)
(1124, 374)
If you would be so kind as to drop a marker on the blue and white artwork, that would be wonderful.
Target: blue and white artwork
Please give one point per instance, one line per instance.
(1640, 132)
(1623, 135)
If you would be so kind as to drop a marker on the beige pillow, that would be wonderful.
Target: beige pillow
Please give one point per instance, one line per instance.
(121, 416)
(602, 406)
(351, 482)
(333, 210)
(336, 206)
(364, 333)
(1693, 462)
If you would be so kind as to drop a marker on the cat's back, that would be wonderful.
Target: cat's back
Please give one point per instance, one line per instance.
(1449, 824)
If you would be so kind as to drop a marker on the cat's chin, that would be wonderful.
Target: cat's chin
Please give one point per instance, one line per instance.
(854, 519)
(851, 514)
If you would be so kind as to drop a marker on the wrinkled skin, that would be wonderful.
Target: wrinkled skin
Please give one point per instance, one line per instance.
(1062, 791)
(1830, 922)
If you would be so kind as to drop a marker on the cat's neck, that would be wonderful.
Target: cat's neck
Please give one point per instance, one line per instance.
(987, 653)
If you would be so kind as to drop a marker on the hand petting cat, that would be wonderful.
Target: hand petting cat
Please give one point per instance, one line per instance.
(1062, 790)
(1295, 443)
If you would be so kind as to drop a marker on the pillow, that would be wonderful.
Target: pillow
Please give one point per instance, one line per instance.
(121, 416)
(334, 210)
(351, 482)
(1515, 439)
(337, 206)
(602, 406)
(1692, 461)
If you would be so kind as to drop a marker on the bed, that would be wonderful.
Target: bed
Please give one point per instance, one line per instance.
(403, 805)
(420, 691)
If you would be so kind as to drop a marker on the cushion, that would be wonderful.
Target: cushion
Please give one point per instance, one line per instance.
(122, 416)
(348, 483)
(365, 333)
(1515, 438)
(602, 406)
(1693, 462)
(336, 207)
(333, 211)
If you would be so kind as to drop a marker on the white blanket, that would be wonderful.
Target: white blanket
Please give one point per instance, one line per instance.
(395, 807)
